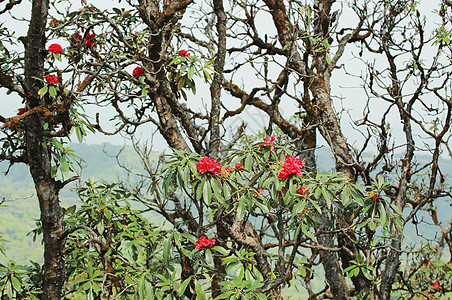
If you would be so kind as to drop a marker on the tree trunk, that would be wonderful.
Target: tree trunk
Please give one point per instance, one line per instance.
(39, 157)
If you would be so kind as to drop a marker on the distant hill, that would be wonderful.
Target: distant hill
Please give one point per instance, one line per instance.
(20, 209)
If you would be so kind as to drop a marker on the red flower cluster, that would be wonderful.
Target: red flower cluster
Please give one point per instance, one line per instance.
(303, 191)
(51, 79)
(375, 197)
(202, 242)
(239, 166)
(269, 139)
(183, 53)
(138, 71)
(207, 164)
(301, 216)
(292, 165)
(436, 286)
(55, 48)
(21, 111)
(90, 39)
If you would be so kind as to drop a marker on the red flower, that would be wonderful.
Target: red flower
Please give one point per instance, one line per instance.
(239, 166)
(279, 192)
(303, 191)
(202, 242)
(55, 48)
(90, 39)
(269, 139)
(138, 71)
(292, 165)
(328, 291)
(207, 164)
(301, 216)
(51, 79)
(436, 286)
(229, 170)
(183, 53)
(260, 191)
(21, 111)
(375, 197)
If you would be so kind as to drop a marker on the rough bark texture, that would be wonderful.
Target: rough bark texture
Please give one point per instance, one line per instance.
(163, 95)
(39, 158)
(215, 88)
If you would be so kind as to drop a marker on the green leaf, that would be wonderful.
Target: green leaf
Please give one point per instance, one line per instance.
(166, 250)
(207, 192)
(328, 197)
(262, 206)
(241, 209)
(52, 91)
(199, 292)
(181, 82)
(248, 162)
(43, 91)
(79, 134)
(64, 167)
(383, 214)
(191, 72)
(209, 258)
(183, 286)
(307, 232)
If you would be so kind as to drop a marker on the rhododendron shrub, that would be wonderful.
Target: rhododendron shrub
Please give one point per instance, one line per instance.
(265, 185)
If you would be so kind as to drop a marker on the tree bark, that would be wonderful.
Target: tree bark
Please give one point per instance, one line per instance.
(215, 88)
(39, 157)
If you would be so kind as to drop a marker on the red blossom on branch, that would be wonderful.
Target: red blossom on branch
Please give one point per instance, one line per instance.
(21, 111)
(436, 286)
(183, 53)
(138, 71)
(239, 166)
(207, 164)
(292, 165)
(55, 48)
(90, 39)
(51, 79)
(303, 191)
(269, 139)
(202, 242)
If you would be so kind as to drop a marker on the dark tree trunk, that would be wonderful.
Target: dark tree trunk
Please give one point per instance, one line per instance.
(39, 157)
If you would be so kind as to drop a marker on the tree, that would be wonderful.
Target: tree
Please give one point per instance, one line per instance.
(405, 72)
